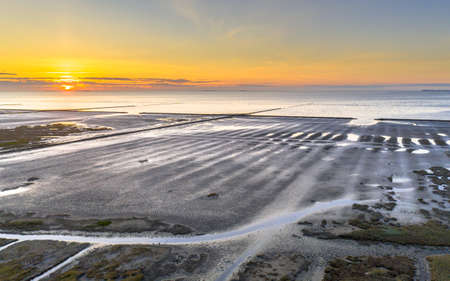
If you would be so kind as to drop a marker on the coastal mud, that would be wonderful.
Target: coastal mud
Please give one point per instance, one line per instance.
(183, 175)
(324, 188)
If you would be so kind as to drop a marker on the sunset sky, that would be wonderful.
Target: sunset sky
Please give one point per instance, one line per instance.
(136, 44)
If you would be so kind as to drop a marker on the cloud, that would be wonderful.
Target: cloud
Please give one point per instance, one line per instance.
(25, 82)
(151, 79)
(107, 78)
(232, 33)
(7, 73)
(251, 85)
(167, 80)
(186, 9)
(27, 78)
(100, 83)
(178, 81)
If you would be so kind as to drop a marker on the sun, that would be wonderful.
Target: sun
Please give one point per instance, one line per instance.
(67, 82)
(67, 87)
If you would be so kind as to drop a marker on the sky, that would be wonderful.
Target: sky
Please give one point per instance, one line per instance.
(229, 44)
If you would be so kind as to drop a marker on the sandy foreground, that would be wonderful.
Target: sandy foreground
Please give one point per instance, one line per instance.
(220, 197)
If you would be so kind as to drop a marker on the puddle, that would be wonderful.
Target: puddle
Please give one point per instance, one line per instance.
(14, 191)
(352, 137)
(400, 141)
(415, 141)
(396, 179)
(328, 158)
(303, 147)
(308, 135)
(363, 122)
(400, 122)
(421, 151)
(296, 134)
(401, 150)
(442, 135)
(442, 187)
(400, 190)
(343, 144)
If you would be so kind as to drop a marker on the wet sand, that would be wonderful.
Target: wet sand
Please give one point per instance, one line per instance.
(240, 179)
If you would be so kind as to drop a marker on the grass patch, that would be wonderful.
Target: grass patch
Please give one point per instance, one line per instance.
(13, 271)
(104, 223)
(25, 223)
(130, 263)
(4, 242)
(27, 259)
(212, 195)
(33, 136)
(439, 267)
(432, 233)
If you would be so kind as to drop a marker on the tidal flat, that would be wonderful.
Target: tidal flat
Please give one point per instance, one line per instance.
(222, 197)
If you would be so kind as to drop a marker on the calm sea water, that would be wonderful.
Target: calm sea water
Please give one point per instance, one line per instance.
(364, 105)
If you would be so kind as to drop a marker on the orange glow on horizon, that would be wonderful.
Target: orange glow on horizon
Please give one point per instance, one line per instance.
(188, 45)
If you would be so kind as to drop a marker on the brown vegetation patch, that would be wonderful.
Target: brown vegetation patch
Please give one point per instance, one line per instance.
(31, 222)
(275, 266)
(368, 268)
(439, 267)
(34, 136)
(432, 233)
(28, 259)
(133, 262)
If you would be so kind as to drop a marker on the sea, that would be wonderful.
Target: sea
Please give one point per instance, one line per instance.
(364, 105)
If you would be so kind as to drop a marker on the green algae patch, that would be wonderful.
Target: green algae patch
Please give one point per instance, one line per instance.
(439, 267)
(432, 233)
(369, 268)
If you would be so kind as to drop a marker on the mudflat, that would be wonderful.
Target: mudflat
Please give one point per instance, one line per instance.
(249, 193)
